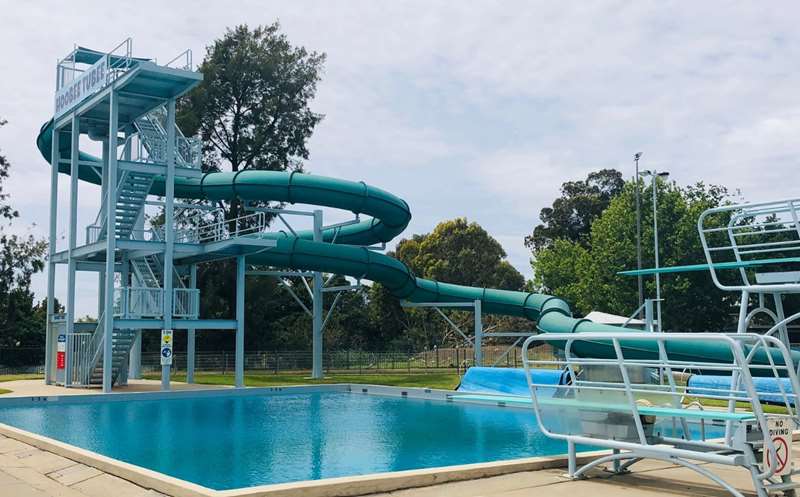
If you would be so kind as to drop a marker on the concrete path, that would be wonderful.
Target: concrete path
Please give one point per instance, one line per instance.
(26, 471)
(37, 388)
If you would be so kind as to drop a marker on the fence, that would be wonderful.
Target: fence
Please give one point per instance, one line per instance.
(21, 360)
(16, 360)
(348, 361)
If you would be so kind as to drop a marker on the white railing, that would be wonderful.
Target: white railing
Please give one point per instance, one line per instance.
(182, 61)
(249, 224)
(138, 302)
(93, 233)
(79, 358)
(186, 302)
(747, 236)
(120, 60)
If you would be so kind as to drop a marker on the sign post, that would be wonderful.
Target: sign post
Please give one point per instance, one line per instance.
(780, 432)
(166, 347)
(61, 359)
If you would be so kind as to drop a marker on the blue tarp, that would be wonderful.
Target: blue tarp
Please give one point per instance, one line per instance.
(767, 388)
(509, 381)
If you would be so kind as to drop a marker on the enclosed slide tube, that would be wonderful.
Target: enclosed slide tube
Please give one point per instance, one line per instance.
(343, 251)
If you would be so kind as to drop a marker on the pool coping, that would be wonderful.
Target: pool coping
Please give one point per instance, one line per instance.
(327, 487)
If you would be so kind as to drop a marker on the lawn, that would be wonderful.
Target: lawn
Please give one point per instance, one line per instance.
(446, 381)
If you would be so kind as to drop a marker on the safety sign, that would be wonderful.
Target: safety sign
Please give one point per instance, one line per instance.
(780, 431)
(61, 352)
(166, 347)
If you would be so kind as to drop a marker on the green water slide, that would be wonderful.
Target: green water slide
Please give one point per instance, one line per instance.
(345, 252)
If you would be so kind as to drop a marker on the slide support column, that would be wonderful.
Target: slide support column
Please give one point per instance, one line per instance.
(73, 240)
(190, 334)
(316, 370)
(51, 267)
(111, 208)
(169, 230)
(239, 366)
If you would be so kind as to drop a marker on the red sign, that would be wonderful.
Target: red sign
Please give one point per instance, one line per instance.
(60, 360)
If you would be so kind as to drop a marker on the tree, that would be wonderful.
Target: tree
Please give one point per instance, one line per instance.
(252, 112)
(572, 214)
(587, 276)
(458, 252)
(252, 108)
(20, 258)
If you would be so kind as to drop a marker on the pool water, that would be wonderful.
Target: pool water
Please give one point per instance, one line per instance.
(224, 442)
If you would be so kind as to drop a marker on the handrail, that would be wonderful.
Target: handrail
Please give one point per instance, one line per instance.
(743, 348)
(221, 230)
(187, 56)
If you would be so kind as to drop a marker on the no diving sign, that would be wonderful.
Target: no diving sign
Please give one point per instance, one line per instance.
(780, 431)
(166, 347)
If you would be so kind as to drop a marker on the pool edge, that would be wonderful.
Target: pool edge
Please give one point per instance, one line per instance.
(346, 486)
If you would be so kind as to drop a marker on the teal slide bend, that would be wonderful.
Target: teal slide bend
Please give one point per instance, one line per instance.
(343, 252)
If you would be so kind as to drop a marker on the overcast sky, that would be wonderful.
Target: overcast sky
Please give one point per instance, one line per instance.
(464, 108)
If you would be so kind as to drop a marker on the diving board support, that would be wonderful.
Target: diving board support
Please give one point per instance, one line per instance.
(240, 289)
(616, 403)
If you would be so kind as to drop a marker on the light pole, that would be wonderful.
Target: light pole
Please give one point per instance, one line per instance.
(655, 175)
(636, 157)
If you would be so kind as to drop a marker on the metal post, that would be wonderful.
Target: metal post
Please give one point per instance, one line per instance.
(169, 230)
(636, 157)
(135, 359)
(648, 315)
(660, 323)
(784, 331)
(478, 334)
(125, 369)
(73, 239)
(316, 368)
(239, 363)
(572, 462)
(111, 208)
(51, 267)
(190, 335)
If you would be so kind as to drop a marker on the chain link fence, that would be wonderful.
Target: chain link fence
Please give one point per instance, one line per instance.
(455, 360)
(16, 360)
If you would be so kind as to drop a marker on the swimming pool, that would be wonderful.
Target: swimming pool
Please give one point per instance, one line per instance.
(225, 439)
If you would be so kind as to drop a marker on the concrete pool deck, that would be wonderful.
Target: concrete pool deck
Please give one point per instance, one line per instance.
(31, 465)
(26, 471)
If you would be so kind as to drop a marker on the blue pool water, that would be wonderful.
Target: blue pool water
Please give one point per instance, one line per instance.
(225, 442)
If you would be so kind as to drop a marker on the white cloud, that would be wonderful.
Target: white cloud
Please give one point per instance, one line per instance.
(473, 109)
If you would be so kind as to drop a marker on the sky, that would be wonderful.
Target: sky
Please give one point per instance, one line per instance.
(463, 108)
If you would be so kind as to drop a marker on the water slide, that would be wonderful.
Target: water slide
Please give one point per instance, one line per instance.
(344, 253)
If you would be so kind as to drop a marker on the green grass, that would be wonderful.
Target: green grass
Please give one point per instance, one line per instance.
(446, 381)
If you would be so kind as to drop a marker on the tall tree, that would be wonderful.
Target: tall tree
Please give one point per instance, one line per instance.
(572, 214)
(587, 275)
(20, 258)
(252, 108)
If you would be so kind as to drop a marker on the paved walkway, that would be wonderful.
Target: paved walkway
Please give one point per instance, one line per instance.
(37, 388)
(26, 471)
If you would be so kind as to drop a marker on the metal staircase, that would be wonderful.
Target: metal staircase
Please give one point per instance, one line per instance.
(132, 191)
(152, 133)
